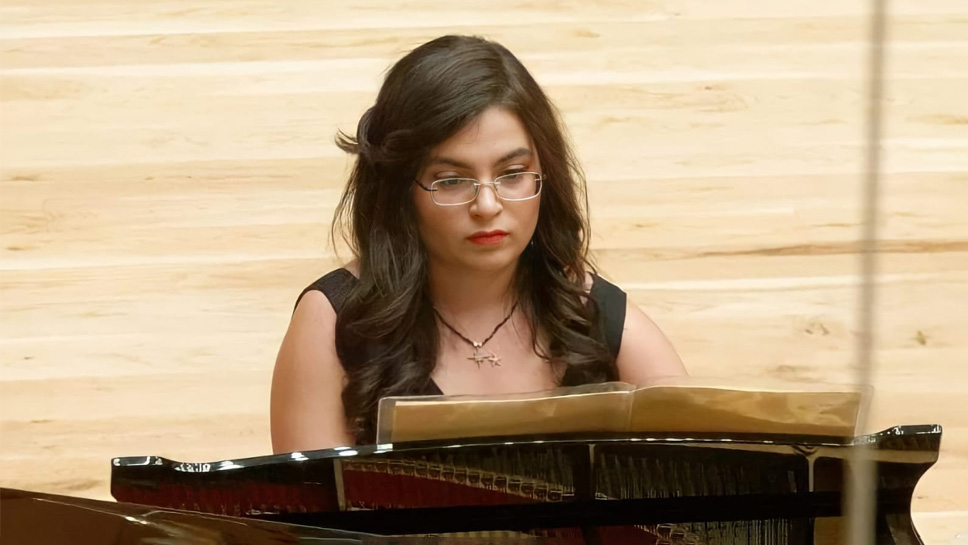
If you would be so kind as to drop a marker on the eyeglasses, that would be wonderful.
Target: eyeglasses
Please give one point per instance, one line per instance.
(519, 186)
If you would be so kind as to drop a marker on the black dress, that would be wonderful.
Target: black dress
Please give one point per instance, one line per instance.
(611, 300)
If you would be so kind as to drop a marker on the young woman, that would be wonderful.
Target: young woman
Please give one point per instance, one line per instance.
(467, 217)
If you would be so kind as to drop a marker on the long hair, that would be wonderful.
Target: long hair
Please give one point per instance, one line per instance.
(386, 334)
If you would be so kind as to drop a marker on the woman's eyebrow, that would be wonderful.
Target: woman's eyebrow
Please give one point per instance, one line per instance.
(440, 160)
(513, 154)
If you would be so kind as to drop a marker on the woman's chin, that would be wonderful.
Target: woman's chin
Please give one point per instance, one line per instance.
(494, 261)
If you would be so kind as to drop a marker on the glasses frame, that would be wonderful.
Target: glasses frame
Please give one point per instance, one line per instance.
(495, 183)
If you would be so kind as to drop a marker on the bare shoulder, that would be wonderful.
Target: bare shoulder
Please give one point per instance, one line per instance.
(646, 353)
(313, 309)
(306, 410)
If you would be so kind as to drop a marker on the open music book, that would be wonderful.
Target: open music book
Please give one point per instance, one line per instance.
(675, 405)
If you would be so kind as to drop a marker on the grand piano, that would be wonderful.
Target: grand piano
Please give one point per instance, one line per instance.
(697, 489)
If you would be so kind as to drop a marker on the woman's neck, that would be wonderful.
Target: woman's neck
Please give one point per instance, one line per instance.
(465, 294)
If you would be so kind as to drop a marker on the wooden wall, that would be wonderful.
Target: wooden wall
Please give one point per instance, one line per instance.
(167, 176)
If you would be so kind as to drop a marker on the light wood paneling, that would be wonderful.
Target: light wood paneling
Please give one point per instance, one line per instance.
(167, 175)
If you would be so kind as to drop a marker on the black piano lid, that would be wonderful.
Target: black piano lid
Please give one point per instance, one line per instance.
(909, 437)
(771, 484)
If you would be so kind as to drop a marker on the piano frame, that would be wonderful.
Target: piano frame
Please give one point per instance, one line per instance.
(596, 488)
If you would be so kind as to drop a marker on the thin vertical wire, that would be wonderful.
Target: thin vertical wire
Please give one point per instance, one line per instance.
(861, 486)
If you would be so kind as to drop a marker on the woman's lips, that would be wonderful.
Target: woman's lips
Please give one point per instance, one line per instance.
(487, 238)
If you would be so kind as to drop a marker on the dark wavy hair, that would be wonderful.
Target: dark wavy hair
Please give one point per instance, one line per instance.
(386, 333)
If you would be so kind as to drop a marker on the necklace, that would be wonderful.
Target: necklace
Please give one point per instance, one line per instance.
(480, 356)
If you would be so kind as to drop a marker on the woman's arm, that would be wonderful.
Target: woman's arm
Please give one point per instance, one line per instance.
(306, 408)
(646, 354)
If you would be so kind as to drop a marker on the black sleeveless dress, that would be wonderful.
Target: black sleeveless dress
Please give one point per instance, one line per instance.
(611, 300)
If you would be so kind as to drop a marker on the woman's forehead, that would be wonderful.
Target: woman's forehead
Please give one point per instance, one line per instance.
(497, 135)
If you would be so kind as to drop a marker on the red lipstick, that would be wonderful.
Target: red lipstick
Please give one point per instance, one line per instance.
(487, 238)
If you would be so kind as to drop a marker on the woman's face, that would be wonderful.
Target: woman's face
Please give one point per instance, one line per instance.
(487, 234)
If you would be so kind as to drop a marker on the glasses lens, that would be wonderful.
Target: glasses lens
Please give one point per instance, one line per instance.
(520, 185)
(454, 191)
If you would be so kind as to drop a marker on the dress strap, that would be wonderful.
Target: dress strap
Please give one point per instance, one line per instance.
(335, 285)
(611, 301)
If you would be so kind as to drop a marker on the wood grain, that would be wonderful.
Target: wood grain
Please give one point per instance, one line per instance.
(168, 173)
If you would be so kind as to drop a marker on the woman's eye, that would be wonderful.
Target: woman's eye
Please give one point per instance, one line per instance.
(449, 183)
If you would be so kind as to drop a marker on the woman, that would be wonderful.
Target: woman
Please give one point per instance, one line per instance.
(467, 218)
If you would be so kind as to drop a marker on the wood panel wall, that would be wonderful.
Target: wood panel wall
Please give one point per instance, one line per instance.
(168, 173)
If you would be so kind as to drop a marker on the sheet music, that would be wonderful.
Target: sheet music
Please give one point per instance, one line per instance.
(686, 405)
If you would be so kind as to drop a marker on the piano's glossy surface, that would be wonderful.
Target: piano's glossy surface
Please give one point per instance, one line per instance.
(603, 489)
(33, 518)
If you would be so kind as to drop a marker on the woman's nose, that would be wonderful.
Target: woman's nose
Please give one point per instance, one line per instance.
(487, 201)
